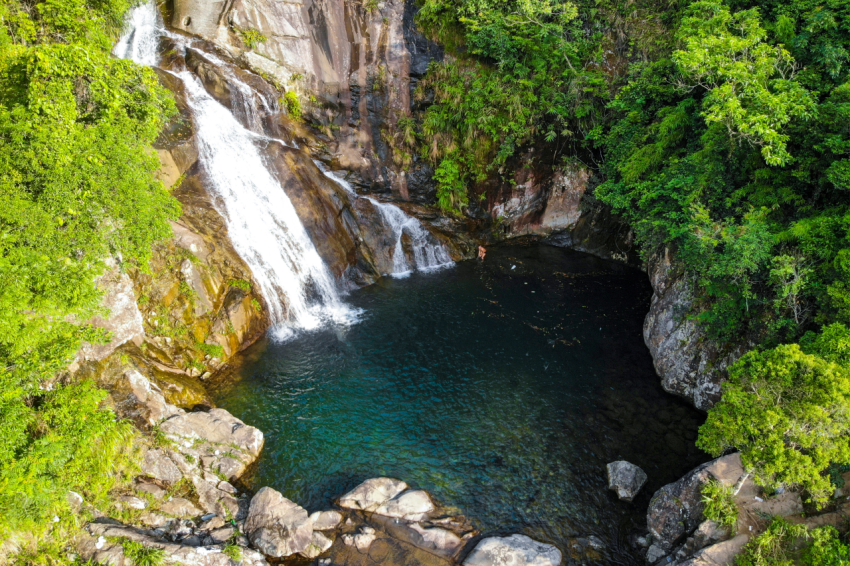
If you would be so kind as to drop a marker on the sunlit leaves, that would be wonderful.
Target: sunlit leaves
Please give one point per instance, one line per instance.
(750, 83)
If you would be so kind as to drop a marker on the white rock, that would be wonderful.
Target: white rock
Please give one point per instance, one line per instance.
(365, 539)
(326, 520)
(410, 505)
(372, 493)
(514, 550)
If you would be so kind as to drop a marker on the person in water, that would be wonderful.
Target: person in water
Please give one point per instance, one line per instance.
(481, 252)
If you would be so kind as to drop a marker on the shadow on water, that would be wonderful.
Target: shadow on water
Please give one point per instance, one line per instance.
(501, 387)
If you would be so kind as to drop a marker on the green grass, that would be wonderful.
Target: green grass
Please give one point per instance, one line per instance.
(142, 555)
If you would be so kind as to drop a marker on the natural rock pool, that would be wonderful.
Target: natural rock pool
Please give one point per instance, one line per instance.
(503, 387)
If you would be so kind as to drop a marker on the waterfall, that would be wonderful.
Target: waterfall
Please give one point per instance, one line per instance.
(262, 222)
(428, 253)
(140, 40)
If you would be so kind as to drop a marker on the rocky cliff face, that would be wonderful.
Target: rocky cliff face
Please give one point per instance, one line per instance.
(352, 64)
(689, 363)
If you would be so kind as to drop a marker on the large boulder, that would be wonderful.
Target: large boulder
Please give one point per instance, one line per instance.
(514, 550)
(626, 479)
(676, 510)
(372, 494)
(276, 526)
(217, 439)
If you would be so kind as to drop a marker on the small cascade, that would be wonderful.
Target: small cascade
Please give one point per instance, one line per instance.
(245, 97)
(140, 40)
(428, 253)
(262, 222)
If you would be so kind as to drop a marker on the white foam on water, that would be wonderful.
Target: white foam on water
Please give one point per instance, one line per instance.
(140, 40)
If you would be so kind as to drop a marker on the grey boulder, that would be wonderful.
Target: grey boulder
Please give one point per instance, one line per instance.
(371, 494)
(626, 479)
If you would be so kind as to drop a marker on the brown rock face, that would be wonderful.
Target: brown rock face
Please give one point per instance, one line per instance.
(353, 68)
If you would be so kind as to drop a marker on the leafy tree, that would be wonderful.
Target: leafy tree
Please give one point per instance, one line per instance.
(788, 412)
(748, 82)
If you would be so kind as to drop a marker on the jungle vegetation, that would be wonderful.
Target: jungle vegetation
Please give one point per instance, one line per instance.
(77, 187)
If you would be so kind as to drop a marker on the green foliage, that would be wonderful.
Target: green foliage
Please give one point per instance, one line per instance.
(826, 549)
(774, 547)
(788, 412)
(719, 503)
(77, 186)
(786, 544)
(252, 38)
(241, 284)
(212, 350)
(748, 82)
(293, 105)
(142, 555)
(527, 81)
(731, 152)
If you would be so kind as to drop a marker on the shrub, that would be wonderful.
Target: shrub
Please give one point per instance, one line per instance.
(292, 104)
(719, 503)
(142, 555)
(252, 38)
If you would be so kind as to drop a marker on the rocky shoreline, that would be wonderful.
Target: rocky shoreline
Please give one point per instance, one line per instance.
(185, 503)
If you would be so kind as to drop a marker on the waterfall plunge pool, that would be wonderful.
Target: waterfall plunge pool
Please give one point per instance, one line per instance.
(502, 387)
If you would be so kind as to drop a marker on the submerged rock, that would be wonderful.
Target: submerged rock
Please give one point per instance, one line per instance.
(371, 494)
(276, 526)
(626, 479)
(514, 550)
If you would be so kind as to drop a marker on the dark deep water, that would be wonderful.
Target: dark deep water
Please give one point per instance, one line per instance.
(501, 390)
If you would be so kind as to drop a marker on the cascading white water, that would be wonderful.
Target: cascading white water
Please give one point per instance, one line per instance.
(262, 222)
(140, 39)
(245, 98)
(428, 253)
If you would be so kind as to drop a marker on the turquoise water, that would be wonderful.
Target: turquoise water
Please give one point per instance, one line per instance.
(501, 387)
